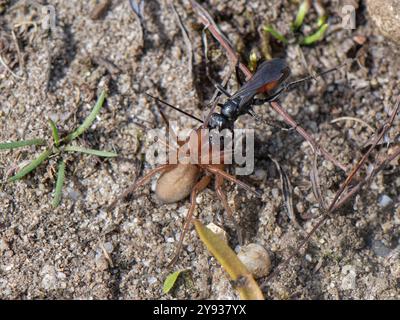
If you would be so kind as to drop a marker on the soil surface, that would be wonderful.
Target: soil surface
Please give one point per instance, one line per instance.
(81, 251)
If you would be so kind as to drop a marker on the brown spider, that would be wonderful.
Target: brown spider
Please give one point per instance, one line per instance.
(178, 181)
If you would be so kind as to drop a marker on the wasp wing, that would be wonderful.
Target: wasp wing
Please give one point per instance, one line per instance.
(268, 71)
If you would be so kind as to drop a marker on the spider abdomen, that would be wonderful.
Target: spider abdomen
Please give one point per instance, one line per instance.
(176, 184)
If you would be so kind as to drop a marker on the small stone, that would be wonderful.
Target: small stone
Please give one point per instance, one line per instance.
(385, 201)
(349, 280)
(385, 15)
(256, 259)
(313, 108)
(7, 268)
(108, 247)
(101, 263)
(387, 226)
(152, 280)
(170, 240)
(49, 280)
(275, 192)
(328, 165)
(300, 207)
(199, 199)
(3, 245)
(260, 174)
(380, 249)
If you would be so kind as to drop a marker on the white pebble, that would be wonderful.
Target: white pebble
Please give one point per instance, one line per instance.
(152, 280)
(260, 174)
(256, 259)
(385, 201)
(109, 247)
(349, 280)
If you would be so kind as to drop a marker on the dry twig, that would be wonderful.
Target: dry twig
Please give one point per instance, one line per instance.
(186, 38)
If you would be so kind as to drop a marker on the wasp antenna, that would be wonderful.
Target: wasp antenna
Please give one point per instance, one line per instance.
(173, 107)
(314, 77)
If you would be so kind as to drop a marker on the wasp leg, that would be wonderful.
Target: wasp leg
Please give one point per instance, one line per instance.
(221, 89)
(237, 69)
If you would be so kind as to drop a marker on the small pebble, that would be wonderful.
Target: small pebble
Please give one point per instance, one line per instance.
(385, 201)
(256, 259)
(152, 280)
(101, 263)
(300, 207)
(380, 249)
(109, 247)
(349, 280)
(170, 240)
(3, 245)
(328, 165)
(260, 174)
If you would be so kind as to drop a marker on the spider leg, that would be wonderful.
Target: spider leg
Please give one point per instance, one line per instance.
(201, 185)
(229, 177)
(140, 182)
(219, 181)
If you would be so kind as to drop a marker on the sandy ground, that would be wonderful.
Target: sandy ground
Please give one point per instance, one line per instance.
(59, 253)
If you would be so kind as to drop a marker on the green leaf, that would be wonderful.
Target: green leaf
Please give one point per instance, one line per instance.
(276, 34)
(92, 152)
(247, 286)
(303, 9)
(23, 143)
(59, 184)
(89, 120)
(31, 166)
(54, 131)
(317, 36)
(321, 21)
(171, 280)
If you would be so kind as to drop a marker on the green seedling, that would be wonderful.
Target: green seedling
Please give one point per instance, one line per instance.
(171, 280)
(58, 148)
(296, 36)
